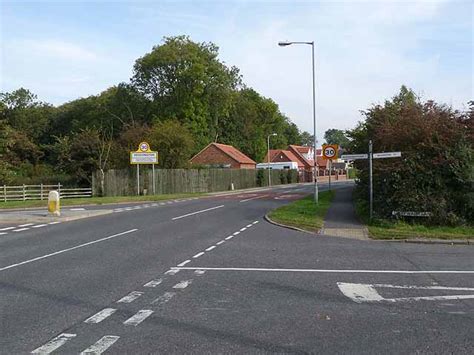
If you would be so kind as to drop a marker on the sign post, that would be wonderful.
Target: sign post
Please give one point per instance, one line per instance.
(144, 155)
(371, 155)
(329, 153)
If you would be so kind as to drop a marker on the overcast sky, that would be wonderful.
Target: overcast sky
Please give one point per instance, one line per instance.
(63, 50)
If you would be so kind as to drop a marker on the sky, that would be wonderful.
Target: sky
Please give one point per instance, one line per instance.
(365, 50)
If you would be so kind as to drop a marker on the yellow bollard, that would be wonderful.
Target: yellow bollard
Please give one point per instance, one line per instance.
(53, 203)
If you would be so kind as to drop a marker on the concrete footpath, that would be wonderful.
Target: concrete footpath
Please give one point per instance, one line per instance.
(341, 219)
(43, 216)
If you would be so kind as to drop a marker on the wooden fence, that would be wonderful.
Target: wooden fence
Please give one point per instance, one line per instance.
(170, 181)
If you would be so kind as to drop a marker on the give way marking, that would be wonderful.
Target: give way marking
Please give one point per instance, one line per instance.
(367, 292)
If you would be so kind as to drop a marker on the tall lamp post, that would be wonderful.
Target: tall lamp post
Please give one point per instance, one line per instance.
(284, 44)
(268, 155)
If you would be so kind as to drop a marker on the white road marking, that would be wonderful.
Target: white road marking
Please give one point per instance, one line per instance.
(138, 317)
(253, 198)
(101, 315)
(183, 284)
(3, 233)
(7, 228)
(20, 230)
(342, 271)
(25, 225)
(66, 250)
(53, 344)
(154, 204)
(137, 207)
(39, 226)
(249, 225)
(101, 345)
(162, 203)
(184, 262)
(198, 255)
(221, 242)
(153, 283)
(199, 272)
(172, 272)
(164, 298)
(255, 222)
(77, 209)
(54, 222)
(210, 248)
(242, 229)
(367, 293)
(132, 296)
(236, 233)
(128, 208)
(229, 237)
(193, 213)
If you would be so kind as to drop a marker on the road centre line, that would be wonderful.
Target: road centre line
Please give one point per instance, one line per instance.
(193, 213)
(7, 228)
(3, 233)
(53, 344)
(101, 345)
(229, 237)
(101, 315)
(342, 271)
(210, 248)
(221, 242)
(56, 222)
(253, 198)
(39, 226)
(25, 225)
(172, 271)
(198, 255)
(236, 233)
(132, 296)
(184, 262)
(67, 249)
(138, 317)
(21, 229)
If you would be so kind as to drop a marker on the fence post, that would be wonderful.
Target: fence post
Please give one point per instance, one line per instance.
(41, 191)
(24, 192)
(5, 193)
(59, 189)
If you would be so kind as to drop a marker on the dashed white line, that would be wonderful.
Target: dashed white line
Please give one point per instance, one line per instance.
(3, 233)
(39, 226)
(183, 284)
(25, 225)
(236, 233)
(66, 250)
(221, 242)
(193, 213)
(153, 283)
(243, 229)
(172, 271)
(198, 255)
(101, 345)
(21, 229)
(139, 317)
(132, 296)
(199, 272)
(253, 198)
(255, 222)
(184, 263)
(249, 225)
(7, 228)
(164, 298)
(101, 315)
(227, 238)
(53, 344)
(56, 222)
(77, 209)
(210, 248)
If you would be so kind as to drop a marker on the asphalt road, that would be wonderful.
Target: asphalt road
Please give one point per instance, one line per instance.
(211, 275)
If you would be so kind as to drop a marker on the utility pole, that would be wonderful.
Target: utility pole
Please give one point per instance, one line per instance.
(371, 191)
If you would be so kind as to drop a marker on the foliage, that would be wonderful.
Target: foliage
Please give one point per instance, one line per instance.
(436, 171)
(336, 136)
(307, 139)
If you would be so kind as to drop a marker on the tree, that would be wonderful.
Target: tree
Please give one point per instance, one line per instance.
(174, 143)
(336, 136)
(307, 139)
(186, 82)
(435, 173)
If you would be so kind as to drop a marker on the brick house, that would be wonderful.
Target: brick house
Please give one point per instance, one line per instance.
(223, 155)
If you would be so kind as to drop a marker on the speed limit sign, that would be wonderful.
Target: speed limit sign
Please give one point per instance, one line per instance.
(330, 151)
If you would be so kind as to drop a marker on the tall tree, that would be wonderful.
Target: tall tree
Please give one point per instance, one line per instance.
(336, 136)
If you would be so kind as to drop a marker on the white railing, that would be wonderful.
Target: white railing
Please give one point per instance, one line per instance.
(40, 192)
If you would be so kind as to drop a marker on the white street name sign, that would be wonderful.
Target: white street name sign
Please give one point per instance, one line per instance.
(354, 156)
(387, 155)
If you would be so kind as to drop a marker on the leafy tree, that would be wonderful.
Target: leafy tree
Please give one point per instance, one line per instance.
(307, 139)
(336, 136)
(174, 143)
(435, 173)
(187, 82)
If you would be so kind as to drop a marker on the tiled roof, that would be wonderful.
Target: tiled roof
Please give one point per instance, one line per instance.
(295, 150)
(234, 153)
(288, 155)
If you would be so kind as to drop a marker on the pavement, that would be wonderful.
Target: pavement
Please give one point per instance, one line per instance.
(210, 275)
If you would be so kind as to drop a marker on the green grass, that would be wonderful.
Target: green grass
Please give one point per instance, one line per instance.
(401, 230)
(95, 200)
(304, 213)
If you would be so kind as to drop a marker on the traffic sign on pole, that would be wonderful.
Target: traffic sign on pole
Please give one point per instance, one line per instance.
(330, 151)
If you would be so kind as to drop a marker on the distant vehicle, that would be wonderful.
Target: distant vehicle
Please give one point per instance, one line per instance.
(279, 166)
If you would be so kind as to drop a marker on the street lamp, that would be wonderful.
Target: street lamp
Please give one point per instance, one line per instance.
(268, 154)
(284, 44)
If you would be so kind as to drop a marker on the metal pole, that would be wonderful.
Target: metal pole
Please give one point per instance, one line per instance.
(153, 177)
(268, 165)
(371, 191)
(316, 197)
(138, 179)
(330, 172)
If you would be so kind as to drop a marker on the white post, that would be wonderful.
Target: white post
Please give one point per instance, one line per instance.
(5, 193)
(153, 177)
(268, 166)
(371, 191)
(24, 192)
(330, 172)
(138, 179)
(41, 191)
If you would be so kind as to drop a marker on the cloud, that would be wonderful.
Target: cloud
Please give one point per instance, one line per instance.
(59, 49)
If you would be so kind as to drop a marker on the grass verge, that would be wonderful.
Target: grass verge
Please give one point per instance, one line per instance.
(304, 213)
(96, 200)
(401, 230)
